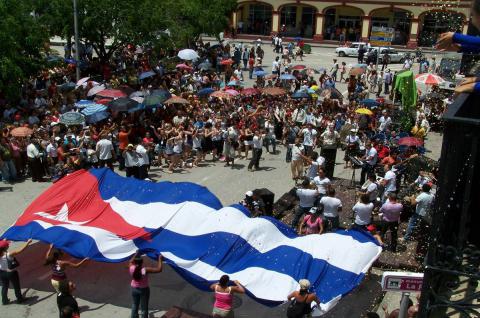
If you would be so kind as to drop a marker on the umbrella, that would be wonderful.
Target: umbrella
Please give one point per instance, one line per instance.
(103, 101)
(111, 93)
(176, 100)
(205, 65)
(428, 79)
(137, 108)
(145, 75)
(137, 94)
(250, 91)
(364, 111)
(300, 94)
(82, 81)
(161, 92)
(287, 77)
(332, 93)
(232, 92)
(410, 142)
(227, 62)
(220, 94)
(370, 103)
(205, 91)
(67, 87)
(84, 103)
(122, 104)
(72, 118)
(21, 132)
(188, 54)
(274, 91)
(356, 71)
(96, 89)
(234, 83)
(138, 99)
(184, 66)
(299, 67)
(260, 73)
(93, 108)
(153, 100)
(96, 117)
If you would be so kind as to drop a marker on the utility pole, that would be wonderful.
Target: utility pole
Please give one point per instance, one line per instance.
(77, 42)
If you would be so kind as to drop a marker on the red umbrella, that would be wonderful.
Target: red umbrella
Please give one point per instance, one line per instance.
(21, 132)
(429, 79)
(299, 67)
(184, 66)
(227, 62)
(104, 101)
(410, 142)
(220, 94)
(249, 91)
(112, 93)
(232, 92)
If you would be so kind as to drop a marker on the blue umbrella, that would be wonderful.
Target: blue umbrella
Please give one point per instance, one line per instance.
(96, 117)
(205, 91)
(137, 108)
(122, 104)
(287, 77)
(94, 108)
(145, 75)
(84, 103)
(234, 83)
(72, 118)
(300, 94)
(260, 73)
(370, 103)
(67, 86)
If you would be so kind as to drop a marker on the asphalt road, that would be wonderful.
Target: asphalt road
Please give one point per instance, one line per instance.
(103, 289)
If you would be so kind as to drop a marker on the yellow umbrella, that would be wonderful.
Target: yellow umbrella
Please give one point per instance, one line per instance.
(364, 111)
(315, 87)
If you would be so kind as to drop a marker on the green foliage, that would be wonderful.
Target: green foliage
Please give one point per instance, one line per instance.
(22, 41)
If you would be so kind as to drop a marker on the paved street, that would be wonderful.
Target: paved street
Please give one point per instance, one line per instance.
(106, 286)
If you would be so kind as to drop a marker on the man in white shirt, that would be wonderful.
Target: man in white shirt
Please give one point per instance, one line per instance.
(299, 115)
(322, 182)
(131, 161)
(257, 151)
(309, 139)
(276, 66)
(307, 198)
(105, 152)
(331, 207)
(384, 122)
(423, 205)
(389, 181)
(370, 160)
(297, 160)
(143, 160)
(34, 161)
(51, 150)
(330, 138)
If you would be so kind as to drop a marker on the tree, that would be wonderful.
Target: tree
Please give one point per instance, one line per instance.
(135, 21)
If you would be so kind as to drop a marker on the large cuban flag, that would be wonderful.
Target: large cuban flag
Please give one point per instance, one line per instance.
(106, 217)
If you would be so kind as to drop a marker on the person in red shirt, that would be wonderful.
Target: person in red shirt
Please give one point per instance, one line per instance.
(382, 150)
(123, 143)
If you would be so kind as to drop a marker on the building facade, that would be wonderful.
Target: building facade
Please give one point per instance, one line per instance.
(415, 23)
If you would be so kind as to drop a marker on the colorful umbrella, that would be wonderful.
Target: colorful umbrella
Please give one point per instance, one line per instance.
(410, 142)
(355, 71)
(227, 62)
(287, 77)
(234, 83)
(232, 92)
(188, 54)
(21, 132)
(111, 93)
(299, 67)
(249, 91)
(93, 108)
(260, 73)
(84, 103)
(95, 90)
(72, 118)
(274, 91)
(220, 94)
(176, 100)
(364, 111)
(103, 101)
(82, 81)
(428, 79)
(184, 66)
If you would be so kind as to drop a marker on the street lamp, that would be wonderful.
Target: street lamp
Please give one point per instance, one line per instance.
(77, 44)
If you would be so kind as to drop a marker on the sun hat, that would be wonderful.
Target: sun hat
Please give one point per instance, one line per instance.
(249, 193)
(304, 283)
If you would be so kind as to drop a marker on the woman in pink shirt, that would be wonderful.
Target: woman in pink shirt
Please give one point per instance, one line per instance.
(139, 284)
(224, 297)
(312, 223)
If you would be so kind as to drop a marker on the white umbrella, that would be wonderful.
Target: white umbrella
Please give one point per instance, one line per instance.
(138, 99)
(428, 79)
(82, 81)
(95, 90)
(188, 54)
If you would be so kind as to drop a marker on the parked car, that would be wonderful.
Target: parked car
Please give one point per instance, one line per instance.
(351, 50)
(395, 56)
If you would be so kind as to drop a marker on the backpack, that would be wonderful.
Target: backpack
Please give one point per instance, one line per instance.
(298, 309)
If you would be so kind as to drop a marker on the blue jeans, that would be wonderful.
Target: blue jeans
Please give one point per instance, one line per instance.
(9, 173)
(412, 224)
(270, 140)
(140, 298)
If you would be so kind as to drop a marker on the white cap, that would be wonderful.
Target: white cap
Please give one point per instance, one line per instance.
(304, 283)
(57, 138)
(249, 193)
